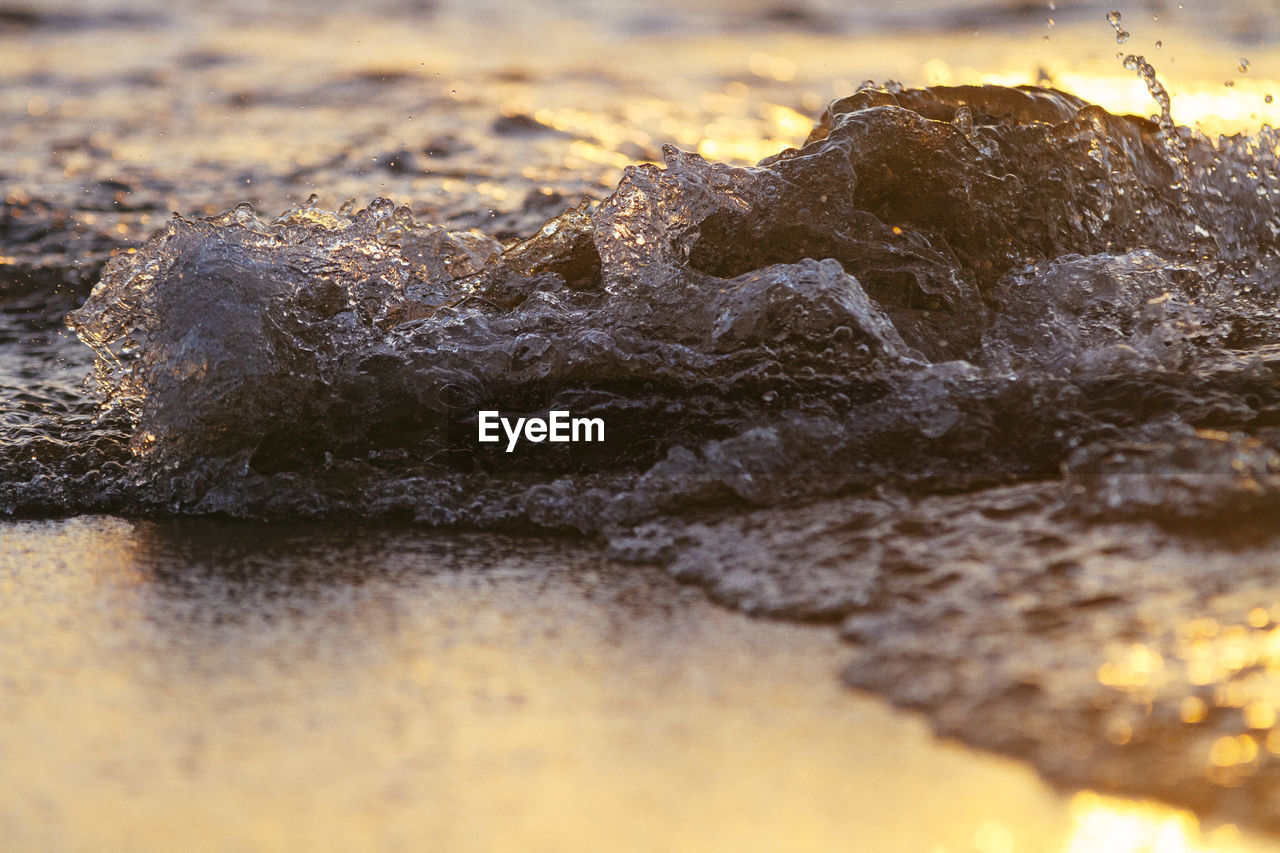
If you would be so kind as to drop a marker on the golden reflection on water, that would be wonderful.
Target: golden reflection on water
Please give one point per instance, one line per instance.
(215, 687)
(1224, 672)
(615, 101)
(1109, 825)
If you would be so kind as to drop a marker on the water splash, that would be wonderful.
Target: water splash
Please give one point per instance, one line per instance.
(1158, 92)
(1113, 18)
(914, 270)
(959, 328)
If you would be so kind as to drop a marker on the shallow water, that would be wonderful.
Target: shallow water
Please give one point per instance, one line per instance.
(245, 687)
(985, 376)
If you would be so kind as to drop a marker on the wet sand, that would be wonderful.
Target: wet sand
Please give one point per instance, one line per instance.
(222, 686)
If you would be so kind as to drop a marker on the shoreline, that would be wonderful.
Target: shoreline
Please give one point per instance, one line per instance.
(272, 686)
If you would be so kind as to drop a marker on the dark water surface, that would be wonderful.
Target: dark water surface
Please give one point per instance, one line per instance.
(983, 375)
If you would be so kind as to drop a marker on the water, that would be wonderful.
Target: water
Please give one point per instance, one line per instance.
(866, 308)
(239, 686)
(984, 375)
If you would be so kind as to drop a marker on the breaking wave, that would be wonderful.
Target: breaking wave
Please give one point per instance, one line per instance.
(985, 375)
(943, 289)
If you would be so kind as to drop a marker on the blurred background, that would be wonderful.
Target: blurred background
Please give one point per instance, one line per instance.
(490, 114)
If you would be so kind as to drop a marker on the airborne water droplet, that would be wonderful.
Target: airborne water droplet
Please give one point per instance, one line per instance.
(1113, 18)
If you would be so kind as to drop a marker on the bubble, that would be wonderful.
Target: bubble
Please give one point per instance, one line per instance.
(1268, 99)
(1243, 65)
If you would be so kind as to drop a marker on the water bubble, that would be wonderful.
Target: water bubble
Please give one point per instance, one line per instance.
(1113, 18)
(1243, 65)
(1268, 99)
(1159, 44)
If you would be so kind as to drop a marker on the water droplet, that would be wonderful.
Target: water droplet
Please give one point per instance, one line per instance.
(1268, 99)
(1159, 45)
(1157, 90)
(1243, 65)
(770, 396)
(1113, 18)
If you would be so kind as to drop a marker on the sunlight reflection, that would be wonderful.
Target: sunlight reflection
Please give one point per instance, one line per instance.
(1108, 825)
(1215, 107)
(1220, 680)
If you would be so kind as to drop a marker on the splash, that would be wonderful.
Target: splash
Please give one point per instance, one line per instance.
(1158, 92)
(865, 309)
(961, 369)
(1113, 18)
